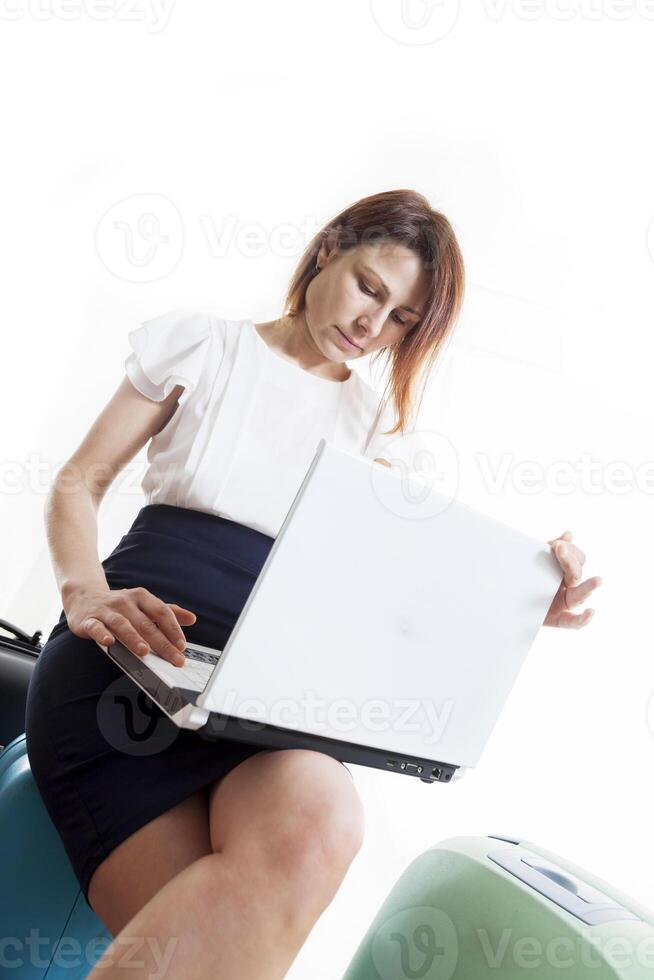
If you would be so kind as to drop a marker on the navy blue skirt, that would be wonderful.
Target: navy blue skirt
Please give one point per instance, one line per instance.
(105, 758)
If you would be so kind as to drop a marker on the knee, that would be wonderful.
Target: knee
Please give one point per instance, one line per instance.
(314, 827)
(290, 823)
(322, 829)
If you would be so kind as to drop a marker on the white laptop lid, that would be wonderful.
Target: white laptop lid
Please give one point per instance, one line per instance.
(372, 627)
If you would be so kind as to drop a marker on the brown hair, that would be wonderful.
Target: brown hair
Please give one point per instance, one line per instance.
(406, 217)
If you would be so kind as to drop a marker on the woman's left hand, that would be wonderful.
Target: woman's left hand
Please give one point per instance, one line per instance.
(572, 591)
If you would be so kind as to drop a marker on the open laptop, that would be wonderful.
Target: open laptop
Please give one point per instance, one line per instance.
(381, 633)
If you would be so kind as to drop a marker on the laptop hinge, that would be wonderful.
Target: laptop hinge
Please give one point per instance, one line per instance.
(191, 717)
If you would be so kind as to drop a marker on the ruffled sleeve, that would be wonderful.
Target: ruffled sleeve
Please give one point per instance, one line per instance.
(169, 350)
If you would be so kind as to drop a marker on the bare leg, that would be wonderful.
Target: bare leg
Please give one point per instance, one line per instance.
(244, 913)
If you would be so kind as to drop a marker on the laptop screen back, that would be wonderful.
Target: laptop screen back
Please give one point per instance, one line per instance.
(369, 625)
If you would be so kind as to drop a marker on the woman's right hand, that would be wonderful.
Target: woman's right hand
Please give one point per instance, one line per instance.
(137, 618)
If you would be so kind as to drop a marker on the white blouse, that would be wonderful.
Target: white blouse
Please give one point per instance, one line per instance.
(248, 422)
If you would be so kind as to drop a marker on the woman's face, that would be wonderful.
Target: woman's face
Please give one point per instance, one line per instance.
(374, 294)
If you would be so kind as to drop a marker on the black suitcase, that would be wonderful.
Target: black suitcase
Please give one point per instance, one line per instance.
(18, 653)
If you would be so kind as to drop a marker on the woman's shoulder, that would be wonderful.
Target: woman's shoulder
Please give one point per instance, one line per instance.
(229, 329)
(188, 327)
(183, 346)
(195, 321)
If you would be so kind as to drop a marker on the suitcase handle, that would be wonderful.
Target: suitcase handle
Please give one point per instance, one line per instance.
(20, 639)
(552, 882)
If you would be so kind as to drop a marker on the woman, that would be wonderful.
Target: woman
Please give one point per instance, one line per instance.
(231, 850)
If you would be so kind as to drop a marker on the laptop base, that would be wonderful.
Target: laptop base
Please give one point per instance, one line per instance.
(272, 737)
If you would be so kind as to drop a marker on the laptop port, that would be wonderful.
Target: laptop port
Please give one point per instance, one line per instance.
(391, 762)
(437, 773)
(411, 767)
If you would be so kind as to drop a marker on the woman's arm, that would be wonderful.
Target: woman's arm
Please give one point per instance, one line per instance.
(123, 427)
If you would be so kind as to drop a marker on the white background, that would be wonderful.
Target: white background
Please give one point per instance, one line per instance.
(529, 125)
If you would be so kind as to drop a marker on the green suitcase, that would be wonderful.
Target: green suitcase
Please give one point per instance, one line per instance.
(497, 907)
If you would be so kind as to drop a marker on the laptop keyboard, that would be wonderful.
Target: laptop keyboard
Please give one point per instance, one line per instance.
(197, 670)
(207, 658)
